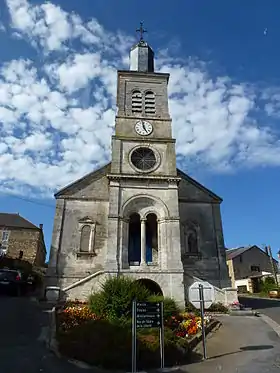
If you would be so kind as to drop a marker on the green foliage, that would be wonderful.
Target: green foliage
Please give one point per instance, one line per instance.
(215, 307)
(218, 307)
(114, 301)
(190, 308)
(170, 308)
(267, 285)
(111, 344)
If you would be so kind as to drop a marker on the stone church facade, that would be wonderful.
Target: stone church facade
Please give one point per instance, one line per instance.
(139, 215)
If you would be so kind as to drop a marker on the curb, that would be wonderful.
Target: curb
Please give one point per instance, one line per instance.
(243, 313)
(273, 324)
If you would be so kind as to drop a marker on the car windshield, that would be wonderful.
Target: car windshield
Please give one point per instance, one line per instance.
(8, 275)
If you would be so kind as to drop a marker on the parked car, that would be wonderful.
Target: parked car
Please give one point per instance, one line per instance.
(11, 281)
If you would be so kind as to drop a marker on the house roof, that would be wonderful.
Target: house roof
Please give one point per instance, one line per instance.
(233, 253)
(15, 221)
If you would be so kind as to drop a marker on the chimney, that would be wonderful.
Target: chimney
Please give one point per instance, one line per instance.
(266, 250)
(41, 226)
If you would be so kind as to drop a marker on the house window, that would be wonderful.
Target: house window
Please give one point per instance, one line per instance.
(136, 102)
(150, 104)
(85, 238)
(255, 268)
(20, 254)
(5, 236)
(241, 259)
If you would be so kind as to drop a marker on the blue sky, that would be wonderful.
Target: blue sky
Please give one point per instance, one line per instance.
(58, 66)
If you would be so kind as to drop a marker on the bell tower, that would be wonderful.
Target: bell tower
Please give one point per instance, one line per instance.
(143, 226)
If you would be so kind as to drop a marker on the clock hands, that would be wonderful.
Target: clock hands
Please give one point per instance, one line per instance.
(143, 124)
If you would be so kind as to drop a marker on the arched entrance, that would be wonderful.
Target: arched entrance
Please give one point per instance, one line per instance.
(151, 285)
(141, 231)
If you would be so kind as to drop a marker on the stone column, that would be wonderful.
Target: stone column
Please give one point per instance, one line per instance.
(143, 241)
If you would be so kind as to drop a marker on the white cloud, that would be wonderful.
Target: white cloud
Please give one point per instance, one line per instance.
(57, 113)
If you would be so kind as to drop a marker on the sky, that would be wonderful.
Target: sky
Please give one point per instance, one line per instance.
(58, 63)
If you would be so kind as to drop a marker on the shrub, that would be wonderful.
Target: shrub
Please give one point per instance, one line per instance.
(73, 316)
(218, 307)
(105, 344)
(267, 285)
(114, 301)
(215, 307)
(170, 308)
(190, 308)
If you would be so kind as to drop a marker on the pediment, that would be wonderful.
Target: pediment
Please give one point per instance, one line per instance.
(93, 185)
(192, 191)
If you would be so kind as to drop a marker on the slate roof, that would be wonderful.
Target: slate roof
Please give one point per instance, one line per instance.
(233, 253)
(15, 221)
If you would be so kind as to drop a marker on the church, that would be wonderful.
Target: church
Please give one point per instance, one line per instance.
(139, 215)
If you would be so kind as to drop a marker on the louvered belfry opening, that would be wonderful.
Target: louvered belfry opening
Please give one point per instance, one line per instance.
(136, 102)
(150, 104)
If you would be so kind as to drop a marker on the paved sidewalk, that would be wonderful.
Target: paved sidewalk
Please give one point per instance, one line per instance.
(21, 349)
(242, 345)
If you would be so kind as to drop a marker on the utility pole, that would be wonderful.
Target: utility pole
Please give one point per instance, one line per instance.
(273, 265)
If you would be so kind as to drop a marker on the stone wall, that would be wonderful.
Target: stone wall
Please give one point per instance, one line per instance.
(66, 238)
(29, 241)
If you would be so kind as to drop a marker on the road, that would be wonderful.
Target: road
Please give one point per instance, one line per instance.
(268, 307)
(242, 345)
(21, 350)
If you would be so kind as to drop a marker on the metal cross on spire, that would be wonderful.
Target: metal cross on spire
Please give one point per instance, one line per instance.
(141, 31)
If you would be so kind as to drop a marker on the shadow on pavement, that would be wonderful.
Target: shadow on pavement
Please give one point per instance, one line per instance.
(242, 349)
(256, 348)
(259, 303)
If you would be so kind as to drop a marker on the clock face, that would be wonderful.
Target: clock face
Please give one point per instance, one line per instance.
(143, 128)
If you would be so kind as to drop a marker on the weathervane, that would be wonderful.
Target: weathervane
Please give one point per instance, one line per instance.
(141, 31)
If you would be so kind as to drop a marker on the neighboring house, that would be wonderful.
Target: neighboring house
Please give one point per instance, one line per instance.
(20, 239)
(139, 215)
(250, 262)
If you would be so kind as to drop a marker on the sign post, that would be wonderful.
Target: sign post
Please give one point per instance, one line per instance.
(146, 315)
(133, 356)
(201, 296)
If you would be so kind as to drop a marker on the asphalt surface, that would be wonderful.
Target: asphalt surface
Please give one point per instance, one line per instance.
(22, 322)
(243, 344)
(268, 307)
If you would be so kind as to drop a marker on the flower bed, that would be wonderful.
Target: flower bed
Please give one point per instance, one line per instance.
(75, 313)
(84, 336)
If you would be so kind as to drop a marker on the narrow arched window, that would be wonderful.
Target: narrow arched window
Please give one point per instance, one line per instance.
(150, 103)
(85, 238)
(192, 242)
(136, 102)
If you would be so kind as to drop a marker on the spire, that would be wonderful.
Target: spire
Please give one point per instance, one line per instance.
(141, 54)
